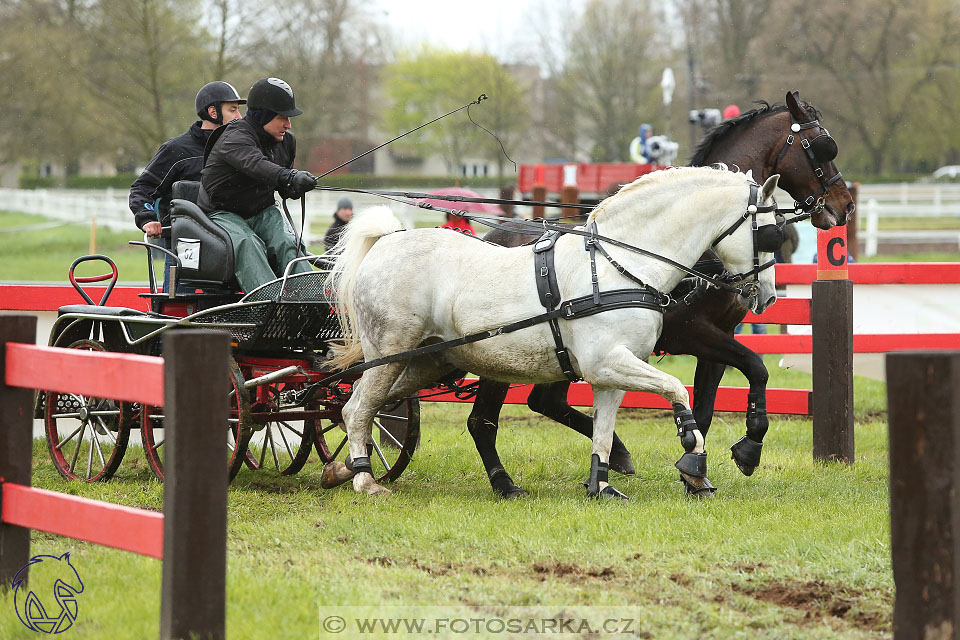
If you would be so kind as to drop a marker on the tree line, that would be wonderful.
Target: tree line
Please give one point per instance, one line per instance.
(115, 78)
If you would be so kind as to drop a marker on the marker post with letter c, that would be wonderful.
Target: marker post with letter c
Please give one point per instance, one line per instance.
(831, 317)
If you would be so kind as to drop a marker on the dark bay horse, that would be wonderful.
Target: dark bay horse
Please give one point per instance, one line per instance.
(770, 139)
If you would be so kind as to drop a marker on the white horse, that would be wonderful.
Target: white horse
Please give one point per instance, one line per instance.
(399, 290)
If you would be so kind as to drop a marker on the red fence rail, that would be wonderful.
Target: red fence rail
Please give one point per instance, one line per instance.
(190, 535)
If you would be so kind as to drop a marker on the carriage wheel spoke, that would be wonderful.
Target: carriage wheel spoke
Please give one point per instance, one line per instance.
(337, 452)
(76, 452)
(273, 451)
(96, 441)
(57, 416)
(106, 430)
(384, 430)
(382, 457)
(93, 438)
(263, 451)
(393, 417)
(69, 438)
(334, 425)
(286, 444)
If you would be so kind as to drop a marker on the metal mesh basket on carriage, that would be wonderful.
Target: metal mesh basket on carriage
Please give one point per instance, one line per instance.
(293, 313)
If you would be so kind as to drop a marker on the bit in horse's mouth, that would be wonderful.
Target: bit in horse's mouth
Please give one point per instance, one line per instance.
(831, 215)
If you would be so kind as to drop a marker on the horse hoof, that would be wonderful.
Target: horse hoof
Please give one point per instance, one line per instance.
(363, 482)
(334, 474)
(622, 463)
(609, 493)
(702, 488)
(695, 481)
(746, 453)
(504, 486)
(745, 469)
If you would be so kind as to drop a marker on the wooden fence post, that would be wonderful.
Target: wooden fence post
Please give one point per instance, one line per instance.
(196, 378)
(16, 443)
(831, 317)
(923, 403)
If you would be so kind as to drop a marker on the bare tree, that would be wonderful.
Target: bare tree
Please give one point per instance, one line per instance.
(613, 68)
(881, 67)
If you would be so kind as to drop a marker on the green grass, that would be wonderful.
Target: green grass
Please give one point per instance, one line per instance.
(798, 550)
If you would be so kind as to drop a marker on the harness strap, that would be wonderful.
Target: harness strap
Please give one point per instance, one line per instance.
(549, 291)
(594, 245)
(570, 310)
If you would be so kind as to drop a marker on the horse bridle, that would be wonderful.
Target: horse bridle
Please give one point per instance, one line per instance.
(766, 239)
(820, 149)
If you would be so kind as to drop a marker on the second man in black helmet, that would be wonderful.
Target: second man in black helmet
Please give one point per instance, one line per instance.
(247, 162)
(180, 158)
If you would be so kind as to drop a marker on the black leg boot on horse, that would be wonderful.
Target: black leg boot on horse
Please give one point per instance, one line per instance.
(746, 451)
(550, 400)
(692, 464)
(482, 424)
(598, 475)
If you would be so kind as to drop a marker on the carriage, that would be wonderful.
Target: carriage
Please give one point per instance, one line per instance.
(280, 410)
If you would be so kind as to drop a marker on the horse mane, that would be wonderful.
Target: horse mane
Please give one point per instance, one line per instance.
(658, 177)
(719, 132)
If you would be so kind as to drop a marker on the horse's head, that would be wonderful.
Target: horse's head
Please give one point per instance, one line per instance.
(746, 244)
(805, 162)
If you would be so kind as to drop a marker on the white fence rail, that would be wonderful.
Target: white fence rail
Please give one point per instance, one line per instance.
(108, 207)
(907, 200)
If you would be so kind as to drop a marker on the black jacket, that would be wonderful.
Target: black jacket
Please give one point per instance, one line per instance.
(333, 234)
(179, 158)
(244, 166)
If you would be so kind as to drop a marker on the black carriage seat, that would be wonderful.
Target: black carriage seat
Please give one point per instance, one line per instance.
(205, 250)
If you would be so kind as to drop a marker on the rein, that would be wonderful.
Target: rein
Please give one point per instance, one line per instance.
(646, 297)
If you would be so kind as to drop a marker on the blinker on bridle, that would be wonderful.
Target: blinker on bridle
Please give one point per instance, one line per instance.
(820, 149)
(766, 239)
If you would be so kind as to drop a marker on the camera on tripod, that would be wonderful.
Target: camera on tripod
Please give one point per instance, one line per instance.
(706, 118)
(662, 150)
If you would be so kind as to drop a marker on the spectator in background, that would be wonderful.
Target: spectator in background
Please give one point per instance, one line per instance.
(340, 219)
(458, 223)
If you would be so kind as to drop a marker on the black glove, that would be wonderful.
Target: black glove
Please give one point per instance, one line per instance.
(298, 183)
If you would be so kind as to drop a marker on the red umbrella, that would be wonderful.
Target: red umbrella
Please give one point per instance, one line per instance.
(469, 207)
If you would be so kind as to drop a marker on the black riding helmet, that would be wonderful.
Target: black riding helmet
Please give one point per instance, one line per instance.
(272, 94)
(214, 93)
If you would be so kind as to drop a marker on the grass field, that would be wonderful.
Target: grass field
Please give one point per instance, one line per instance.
(798, 550)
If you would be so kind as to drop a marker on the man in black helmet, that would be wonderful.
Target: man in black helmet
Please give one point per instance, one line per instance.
(247, 162)
(180, 158)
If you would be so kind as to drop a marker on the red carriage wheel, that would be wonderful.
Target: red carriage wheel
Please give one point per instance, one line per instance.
(282, 441)
(87, 437)
(395, 436)
(238, 430)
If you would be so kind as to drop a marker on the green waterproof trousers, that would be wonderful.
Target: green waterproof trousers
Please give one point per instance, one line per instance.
(262, 246)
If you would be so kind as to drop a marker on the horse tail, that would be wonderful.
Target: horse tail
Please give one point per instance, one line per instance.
(359, 236)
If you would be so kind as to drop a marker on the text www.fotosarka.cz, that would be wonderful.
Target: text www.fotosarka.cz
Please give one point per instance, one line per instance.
(479, 621)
